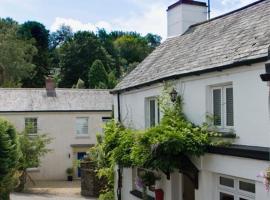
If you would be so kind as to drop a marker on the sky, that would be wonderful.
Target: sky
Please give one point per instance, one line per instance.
(143, 16)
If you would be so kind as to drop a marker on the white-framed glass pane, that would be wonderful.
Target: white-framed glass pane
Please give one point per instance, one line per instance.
(82, 125)
(31, 125)
(225, 196)
(247, 187)
(228, 182)
(152, 108)
(217, 109)
(229, 107)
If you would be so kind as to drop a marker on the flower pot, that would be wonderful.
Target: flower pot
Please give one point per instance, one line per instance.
(70, 178)
(159, 194)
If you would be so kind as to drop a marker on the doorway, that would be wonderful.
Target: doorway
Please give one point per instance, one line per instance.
(80, 156)
(188, 189)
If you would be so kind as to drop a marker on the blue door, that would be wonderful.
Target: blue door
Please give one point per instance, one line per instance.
(80, 156)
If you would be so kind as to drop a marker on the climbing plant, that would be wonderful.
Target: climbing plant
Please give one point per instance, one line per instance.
(155, 148)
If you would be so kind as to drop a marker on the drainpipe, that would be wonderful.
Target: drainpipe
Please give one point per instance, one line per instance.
(120, 169)
(118, 107)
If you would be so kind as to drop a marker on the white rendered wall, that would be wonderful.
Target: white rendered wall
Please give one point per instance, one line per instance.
(62, 128)
(251, 119)
(181, 17)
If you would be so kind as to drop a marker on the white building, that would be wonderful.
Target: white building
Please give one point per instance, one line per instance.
(72, 117)
(215, 66)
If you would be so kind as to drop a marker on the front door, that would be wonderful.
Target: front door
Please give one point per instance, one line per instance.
(80, 156)
(188, 189)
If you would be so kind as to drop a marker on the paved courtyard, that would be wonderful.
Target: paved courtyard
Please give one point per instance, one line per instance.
(20, 196)
(44, 190)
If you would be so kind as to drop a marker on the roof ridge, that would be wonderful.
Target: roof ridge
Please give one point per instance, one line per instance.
(226, 14)
(71, 89)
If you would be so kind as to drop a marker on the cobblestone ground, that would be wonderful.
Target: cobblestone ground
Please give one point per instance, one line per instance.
(58, 190)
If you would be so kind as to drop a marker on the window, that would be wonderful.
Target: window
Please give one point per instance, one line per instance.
(105, 120)
(222, 106)
(31, 125)
(230, 188)
(152, 112)
(82, 126)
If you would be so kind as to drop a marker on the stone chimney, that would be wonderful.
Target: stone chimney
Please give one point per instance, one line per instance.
(184, 13)
(50, 87)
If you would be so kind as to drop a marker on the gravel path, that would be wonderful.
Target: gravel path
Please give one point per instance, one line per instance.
(50, 190)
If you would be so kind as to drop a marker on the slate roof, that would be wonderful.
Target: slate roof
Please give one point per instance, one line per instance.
(238, 36)
(20, 100)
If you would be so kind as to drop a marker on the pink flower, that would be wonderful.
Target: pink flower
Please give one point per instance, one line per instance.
(266, 179)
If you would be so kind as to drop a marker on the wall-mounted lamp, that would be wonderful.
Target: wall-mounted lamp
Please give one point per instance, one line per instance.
(173, 95)
(266, 76)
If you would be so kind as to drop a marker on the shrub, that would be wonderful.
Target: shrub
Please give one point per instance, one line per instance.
(9, 157)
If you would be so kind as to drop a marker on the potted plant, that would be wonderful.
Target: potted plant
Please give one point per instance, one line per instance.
(69, 172)
(146, 179)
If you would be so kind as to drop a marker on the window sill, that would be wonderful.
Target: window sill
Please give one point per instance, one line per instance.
(34, 169)
(82, 136)
(138, 194)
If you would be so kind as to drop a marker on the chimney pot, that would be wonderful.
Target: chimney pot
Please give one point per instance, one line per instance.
(50, 87)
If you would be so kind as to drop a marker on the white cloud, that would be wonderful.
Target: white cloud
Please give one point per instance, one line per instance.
(152, 20)
(77, 25)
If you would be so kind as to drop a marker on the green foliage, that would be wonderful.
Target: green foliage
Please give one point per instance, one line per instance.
(16, 55)
(37, 32)
(80, 84)
(70, 171)
(9, 157)
(28, 53)
(33, 148)
(63, 34)
(98, 77)
(158, 148)
(132, 48)
(107, 196)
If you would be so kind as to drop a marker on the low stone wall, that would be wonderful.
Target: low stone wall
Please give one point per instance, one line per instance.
(91, 185)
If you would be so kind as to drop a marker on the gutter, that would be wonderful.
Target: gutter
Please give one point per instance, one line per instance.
(195, 73)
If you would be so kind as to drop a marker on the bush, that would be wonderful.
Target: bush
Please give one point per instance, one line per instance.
(107, 196)
(9, 157)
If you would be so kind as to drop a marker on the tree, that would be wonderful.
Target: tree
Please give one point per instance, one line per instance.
(98, 77)
(77, 54)
(9, 157)
(16, 55)
(153, 40)
(37, 32)
(132, 48)
(57, 38)
(112, 81)
(33, 148)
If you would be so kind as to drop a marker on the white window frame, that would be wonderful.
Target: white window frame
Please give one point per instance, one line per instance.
(25, 125)
(82, 134)
(235, 191)
(223, 89)
(148, 114)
